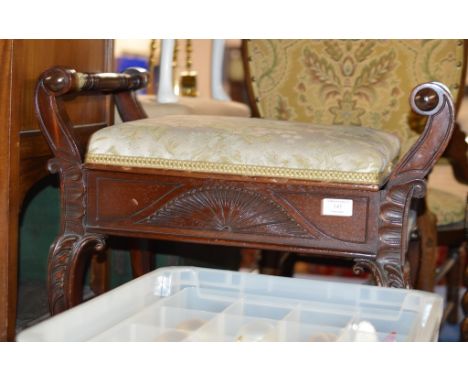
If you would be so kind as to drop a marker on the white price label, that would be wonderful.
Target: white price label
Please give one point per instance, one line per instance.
(337, 207)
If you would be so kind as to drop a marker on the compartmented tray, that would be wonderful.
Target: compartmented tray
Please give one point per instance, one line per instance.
(197, 304)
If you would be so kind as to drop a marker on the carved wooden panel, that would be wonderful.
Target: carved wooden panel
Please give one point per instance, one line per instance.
(130, 206)
(226, 208)
(280, 214)
(310, 206)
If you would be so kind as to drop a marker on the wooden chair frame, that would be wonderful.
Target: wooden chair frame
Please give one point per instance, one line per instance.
(259, 212)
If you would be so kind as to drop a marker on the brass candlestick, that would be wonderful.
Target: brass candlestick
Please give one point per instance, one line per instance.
(152, 62)
(188, 78)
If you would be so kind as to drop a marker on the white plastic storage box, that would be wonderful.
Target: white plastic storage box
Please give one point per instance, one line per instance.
(197, 304)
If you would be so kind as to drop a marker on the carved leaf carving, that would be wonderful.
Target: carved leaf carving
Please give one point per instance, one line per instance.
(386, 273)
(63, 254)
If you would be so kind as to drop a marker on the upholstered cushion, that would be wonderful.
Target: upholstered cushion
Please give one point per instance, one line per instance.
(351, 82)
(448, 208)
(248, 146)
(193, 105)
(154, 109)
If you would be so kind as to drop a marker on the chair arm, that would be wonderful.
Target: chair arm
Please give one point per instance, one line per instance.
(58, 82)
(434, 101)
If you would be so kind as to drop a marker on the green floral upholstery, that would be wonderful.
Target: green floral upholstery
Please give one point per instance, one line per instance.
(448, 208)
(248, 146)
(351, 82)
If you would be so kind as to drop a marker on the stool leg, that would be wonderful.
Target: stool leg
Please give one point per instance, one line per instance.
(141, 259)
(277, 263)
(269, 262)
(427, 225)
(68, 257)
(287, 264)
(99, 274)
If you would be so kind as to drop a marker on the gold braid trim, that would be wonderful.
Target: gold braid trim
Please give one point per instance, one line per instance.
(372, 178)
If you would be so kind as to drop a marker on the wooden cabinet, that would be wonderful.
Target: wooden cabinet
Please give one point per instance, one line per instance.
(23, 150)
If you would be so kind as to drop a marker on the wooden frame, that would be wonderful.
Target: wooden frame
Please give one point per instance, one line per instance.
(267, 213)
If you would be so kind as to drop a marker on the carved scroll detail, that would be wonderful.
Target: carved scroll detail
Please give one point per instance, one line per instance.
(226, 208)
(65, 255)
(386, 273)
(407, 181)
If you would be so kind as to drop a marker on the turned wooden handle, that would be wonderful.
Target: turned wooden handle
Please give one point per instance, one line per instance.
(60, 80)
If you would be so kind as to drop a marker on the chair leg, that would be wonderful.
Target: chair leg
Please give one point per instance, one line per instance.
(427, 224)
(414, 258)
(270, 261)
(68, 257)
(464, 323)
(453, 281)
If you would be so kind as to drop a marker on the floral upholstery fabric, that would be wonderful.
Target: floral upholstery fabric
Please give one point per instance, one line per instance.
(448, 208)
(351, 82)
(248, 146)
(193, 105)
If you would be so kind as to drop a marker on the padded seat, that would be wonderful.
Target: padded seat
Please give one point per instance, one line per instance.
(252, 147)
(193, 105)
(448, 208)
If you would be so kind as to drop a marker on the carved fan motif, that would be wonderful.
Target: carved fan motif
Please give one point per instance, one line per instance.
(226, 209)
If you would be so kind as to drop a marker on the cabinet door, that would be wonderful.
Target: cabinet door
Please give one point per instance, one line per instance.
(9, 159)
(30, 59)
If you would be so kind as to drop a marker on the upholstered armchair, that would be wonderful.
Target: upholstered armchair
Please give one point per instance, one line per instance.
(364, 83)
(342, 191)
